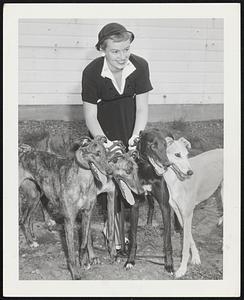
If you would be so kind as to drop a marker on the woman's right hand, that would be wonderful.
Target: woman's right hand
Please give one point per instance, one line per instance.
(108, 143)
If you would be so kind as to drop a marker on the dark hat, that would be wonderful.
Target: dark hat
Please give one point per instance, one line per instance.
(111, 29)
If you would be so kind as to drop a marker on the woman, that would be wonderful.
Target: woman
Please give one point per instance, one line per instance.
(115, 89)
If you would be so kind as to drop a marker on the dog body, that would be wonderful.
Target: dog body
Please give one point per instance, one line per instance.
(190, 182)
(69, 186)
(152, 150)
(124, 177)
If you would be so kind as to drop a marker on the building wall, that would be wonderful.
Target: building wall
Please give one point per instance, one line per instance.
(185, 58)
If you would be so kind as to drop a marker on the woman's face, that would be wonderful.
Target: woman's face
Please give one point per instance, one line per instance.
(117, 54)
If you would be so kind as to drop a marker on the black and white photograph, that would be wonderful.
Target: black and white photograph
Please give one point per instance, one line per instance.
(121, 138)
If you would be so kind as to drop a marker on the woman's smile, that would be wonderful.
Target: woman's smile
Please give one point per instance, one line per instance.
(117, 54)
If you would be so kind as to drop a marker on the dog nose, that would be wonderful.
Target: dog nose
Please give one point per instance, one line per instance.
(189, 172)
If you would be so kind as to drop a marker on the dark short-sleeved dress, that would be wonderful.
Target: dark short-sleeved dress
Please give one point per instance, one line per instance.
(116, 113)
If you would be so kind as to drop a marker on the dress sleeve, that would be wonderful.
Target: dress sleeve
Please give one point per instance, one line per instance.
(89, 88)
(143, 83)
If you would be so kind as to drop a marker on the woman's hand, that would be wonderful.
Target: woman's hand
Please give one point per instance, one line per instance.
(132, 142)
(108, 143)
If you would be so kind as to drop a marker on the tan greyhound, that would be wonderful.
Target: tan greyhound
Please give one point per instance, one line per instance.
(190, 181)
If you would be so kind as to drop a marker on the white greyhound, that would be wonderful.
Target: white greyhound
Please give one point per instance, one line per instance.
(191, 181)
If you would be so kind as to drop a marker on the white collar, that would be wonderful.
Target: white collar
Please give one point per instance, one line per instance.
(128, 69)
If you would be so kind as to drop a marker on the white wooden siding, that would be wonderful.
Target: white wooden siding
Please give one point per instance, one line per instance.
(185, 58)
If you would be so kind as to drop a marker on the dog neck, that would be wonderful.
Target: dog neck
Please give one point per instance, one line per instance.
(171, 178)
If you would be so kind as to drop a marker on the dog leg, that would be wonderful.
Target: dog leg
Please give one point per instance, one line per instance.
(162, 197)
(195, 257)
(50, 223)
(134, 214)
(178, 218)
(85, 229)
(177, 224)
(30, 221)
(69, 236)
(93, 259)
(32, 196)
(111, 242)
(186, 246)
(150, 209)
(178, 228)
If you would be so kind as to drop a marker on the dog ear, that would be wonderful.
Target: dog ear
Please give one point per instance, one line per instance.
(185, 142)
(169, 140)
(74, 147)
(140, 133)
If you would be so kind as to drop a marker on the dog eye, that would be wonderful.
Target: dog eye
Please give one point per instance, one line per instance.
(129, 170)
(177, 155)
(98, 153)
(115, 160)
(154, 145)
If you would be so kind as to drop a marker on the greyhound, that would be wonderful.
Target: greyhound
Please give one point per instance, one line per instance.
(124, 176)
(69, 186)
(151, 147)
(190, 181)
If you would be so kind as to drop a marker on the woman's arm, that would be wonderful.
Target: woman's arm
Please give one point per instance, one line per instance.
(141, 117)
(141, 113)
(90, 113)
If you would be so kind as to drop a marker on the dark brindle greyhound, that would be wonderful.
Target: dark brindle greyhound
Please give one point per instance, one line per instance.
(69, 186)
(125, 177)
(152, 150)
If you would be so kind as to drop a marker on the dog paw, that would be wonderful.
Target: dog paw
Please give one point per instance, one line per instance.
(77, 276)
(169, 268)
(34, 245)
(84, 261)
(129, 265)
(196, 259)
(180, 272)
(87, 266)
(95, 261)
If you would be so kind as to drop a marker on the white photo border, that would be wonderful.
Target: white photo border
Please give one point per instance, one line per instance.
(230, 285)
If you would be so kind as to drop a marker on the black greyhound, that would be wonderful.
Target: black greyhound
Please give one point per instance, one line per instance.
(151, 146)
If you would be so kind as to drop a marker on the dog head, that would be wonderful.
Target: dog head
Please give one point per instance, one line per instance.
(125, 173)
(91, 154)
(177, 153)
(152, 148)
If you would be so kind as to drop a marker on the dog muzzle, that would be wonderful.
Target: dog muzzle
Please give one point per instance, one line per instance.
(181, 175)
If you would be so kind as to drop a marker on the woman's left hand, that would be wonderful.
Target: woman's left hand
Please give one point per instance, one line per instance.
(132, 142)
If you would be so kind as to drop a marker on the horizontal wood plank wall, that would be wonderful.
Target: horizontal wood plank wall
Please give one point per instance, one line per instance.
(157, 112)
(185, 58)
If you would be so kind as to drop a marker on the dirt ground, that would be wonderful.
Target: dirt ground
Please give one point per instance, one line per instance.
(48, 261)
